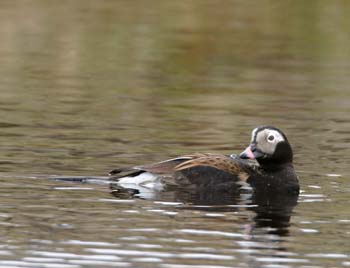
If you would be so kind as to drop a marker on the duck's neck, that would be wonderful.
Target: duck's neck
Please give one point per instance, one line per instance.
(275, 167)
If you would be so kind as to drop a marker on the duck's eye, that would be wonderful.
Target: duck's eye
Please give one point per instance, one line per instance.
(270, 138)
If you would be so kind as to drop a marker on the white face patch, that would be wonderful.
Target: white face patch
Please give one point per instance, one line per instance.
(267, 140)
(273, 136)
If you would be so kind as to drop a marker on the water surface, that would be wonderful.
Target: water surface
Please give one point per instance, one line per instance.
(88, 86)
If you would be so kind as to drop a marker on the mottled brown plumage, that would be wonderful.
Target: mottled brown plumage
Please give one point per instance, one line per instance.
(197, 169)
(218, 161)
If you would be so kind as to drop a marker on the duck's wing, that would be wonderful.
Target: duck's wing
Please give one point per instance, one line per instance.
(162, 168)
(197, 168)
(218, 161)
(202, 168)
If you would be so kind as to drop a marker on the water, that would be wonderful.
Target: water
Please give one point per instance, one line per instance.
(89, 86)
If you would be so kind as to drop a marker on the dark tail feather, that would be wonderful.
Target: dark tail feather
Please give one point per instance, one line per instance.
(123, 172)
(115, 171)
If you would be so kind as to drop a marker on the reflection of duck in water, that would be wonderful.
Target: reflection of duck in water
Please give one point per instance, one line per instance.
(218, 173)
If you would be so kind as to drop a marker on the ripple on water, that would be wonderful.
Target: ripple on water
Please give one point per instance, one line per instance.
(309, 231)
(333, 175)
(208, 233)
(74, 188)
(15, 264)
(89, 243)
(124, 252)
(57, 259)
(5, 252)
(328, 255)
(311, 198)
(149, 260)
(165, 265)
(281, 260)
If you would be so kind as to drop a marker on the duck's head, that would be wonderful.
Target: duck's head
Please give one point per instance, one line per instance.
(270, 147)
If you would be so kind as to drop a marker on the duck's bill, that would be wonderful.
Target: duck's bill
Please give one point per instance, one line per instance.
(251, 153)
(247, 154)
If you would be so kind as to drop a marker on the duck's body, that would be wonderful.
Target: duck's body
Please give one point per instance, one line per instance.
(196, 170)
(273, 169)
